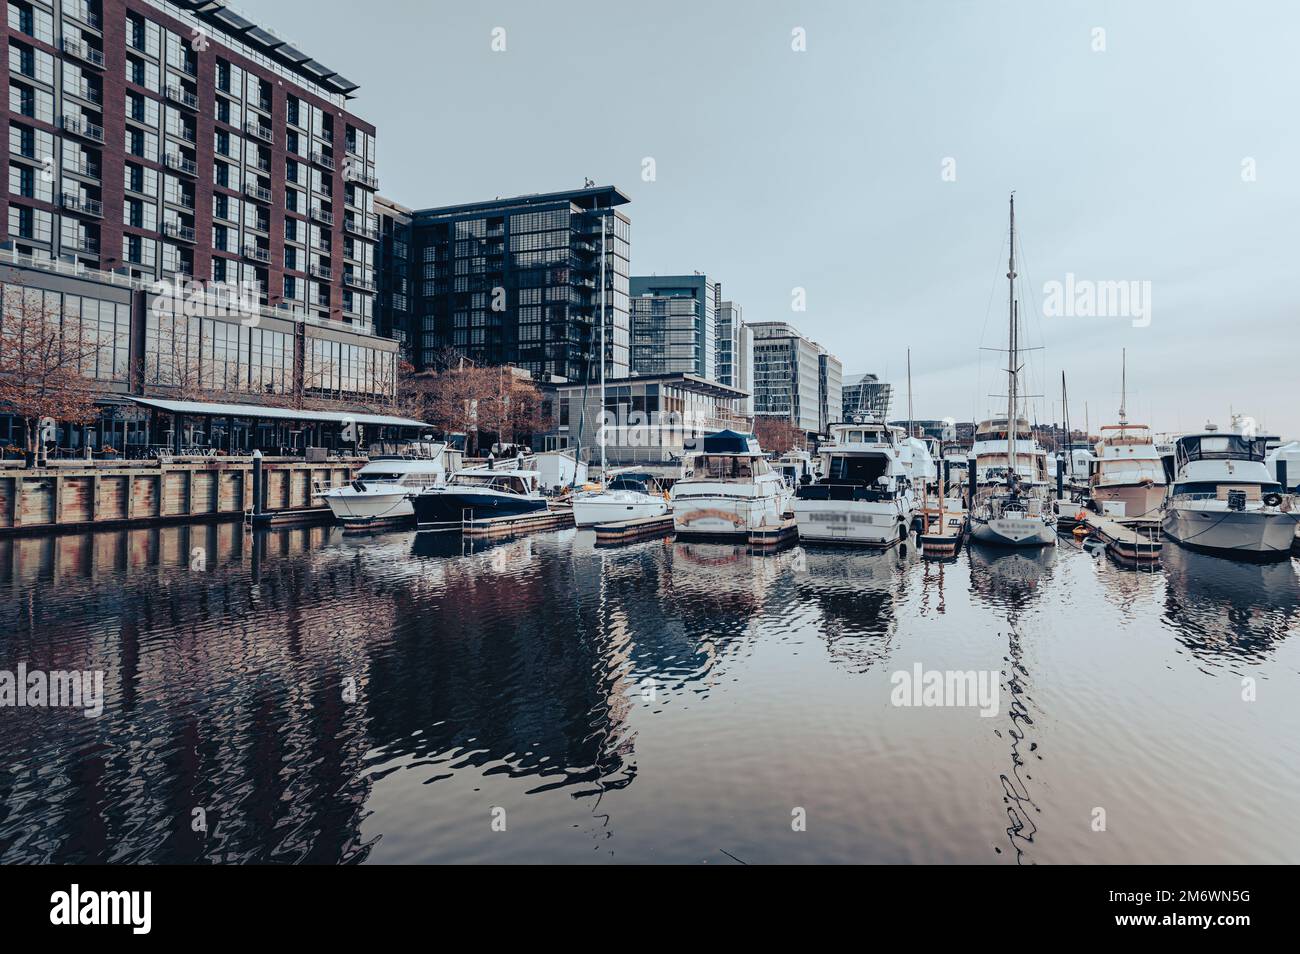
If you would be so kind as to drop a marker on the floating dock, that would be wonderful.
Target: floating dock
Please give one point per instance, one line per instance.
(778, 534)
(1134, 539)
(516, 524)
(942, 539)
(626, 531)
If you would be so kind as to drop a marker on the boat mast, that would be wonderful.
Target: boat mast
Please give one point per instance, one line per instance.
(1065, 415)
(1012, 369)
(602, 350)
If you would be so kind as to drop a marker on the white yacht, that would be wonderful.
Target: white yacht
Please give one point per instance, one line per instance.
(1012, 506)
(866, 493)
(1127, 477)
(1225, 501)
(380, 491)
(628, 495)
(731, 489)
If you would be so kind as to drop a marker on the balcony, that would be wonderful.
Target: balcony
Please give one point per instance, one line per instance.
(321, 216)
(79, 203)
(263, 133)
(370, 182)
(260, 193)
(85, 245)
(83, 168)
(257, 254)
(87, 92)
(354, 280)
(80, 126)
(351, 224)
(323, 160)
(181, 199)
(178, 231)
(322, 272)
(183, 96)
(83, 51)
(82, 13)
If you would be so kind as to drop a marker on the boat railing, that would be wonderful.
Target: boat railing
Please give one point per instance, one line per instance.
(847, 492)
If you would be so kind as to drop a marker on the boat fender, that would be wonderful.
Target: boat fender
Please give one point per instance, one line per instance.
(359, 486)
(1272, 500)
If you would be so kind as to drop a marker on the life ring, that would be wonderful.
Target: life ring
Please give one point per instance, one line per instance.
(1272, 500)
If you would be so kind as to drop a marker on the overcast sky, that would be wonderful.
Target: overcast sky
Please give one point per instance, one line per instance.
(1171, 156)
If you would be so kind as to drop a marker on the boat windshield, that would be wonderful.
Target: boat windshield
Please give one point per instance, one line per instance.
(501, 482)
(729, 467)
(855, 470)
(1222, 447)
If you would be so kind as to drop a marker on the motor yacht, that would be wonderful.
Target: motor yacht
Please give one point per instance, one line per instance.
(866, 495)
(1224, 500)
(730, 490)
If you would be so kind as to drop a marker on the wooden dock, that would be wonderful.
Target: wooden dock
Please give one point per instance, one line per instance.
(940, 540)
(1134, 539)
(627, 531)
(517, 524)
(777, 535)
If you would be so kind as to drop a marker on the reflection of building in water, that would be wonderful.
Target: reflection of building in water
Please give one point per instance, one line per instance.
(1225, 610)
(232, 693)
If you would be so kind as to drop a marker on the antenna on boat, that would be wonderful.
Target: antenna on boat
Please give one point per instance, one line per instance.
(1123, 386)
(910, 424)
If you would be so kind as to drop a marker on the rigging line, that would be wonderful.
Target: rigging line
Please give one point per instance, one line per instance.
(988, 310)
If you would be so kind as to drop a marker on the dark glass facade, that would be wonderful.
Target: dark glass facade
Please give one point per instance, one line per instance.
(515, 281)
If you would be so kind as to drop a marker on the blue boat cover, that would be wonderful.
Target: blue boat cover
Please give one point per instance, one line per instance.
(730, 442)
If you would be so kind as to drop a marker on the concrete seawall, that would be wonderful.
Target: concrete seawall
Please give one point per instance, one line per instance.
(107, 493)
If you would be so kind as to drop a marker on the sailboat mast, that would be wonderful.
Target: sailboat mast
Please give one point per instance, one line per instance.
(1012, 356)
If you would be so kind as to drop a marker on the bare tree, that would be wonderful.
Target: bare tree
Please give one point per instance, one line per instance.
(42, 354)
(777, 434)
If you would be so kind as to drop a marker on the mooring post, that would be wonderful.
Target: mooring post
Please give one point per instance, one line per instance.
(1060, 477)
(259, 480)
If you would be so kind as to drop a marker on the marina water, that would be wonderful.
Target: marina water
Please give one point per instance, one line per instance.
(308, 696)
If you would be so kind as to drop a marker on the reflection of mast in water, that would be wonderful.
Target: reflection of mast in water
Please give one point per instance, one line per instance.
(1011, 580)
(1020, 806)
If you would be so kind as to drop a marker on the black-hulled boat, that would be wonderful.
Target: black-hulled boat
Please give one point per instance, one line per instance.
(478, 494)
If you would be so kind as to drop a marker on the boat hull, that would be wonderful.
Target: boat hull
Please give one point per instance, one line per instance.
(451, 508)
(370, 505)
(1251, 535)
(591, 511)
(1011, 531)
(724, 516)
(861, 523)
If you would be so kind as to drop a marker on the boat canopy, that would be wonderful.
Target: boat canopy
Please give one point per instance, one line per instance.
(730, 442)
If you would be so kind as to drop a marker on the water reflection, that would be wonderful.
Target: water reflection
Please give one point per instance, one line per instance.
(1229, 611)
(331, 697)
(854, 593)
(1012, 580)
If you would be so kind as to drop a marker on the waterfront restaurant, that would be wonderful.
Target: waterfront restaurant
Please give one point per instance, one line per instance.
(206, 428)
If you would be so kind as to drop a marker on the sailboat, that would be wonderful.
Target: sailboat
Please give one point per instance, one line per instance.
(624, 499)
(1011, 509)
(1128, 476)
